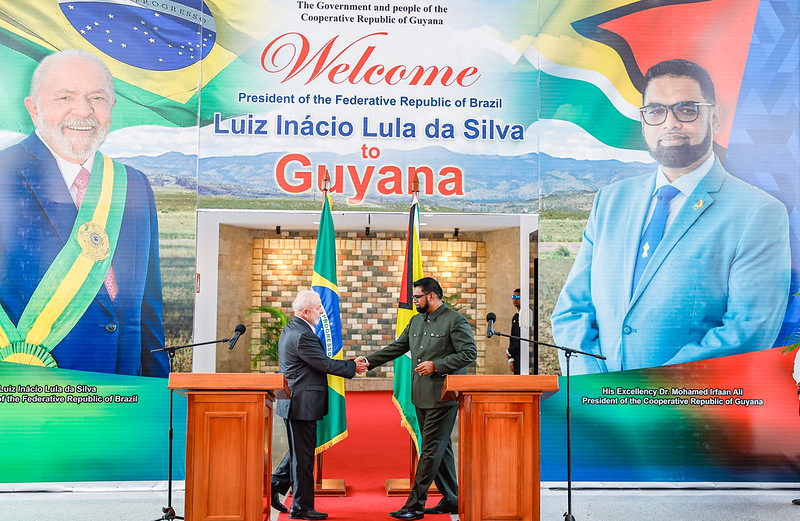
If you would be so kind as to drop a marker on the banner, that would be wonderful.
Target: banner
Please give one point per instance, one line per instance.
(501, 107)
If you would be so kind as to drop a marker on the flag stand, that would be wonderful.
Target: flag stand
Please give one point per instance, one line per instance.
(402, 486)
(326, 487)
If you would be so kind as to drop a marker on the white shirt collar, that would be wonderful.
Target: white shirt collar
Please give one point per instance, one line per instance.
(687, 182)
(69, 171)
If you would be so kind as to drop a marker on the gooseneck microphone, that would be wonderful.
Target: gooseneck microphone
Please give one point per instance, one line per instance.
(237, 333)
(490, 318)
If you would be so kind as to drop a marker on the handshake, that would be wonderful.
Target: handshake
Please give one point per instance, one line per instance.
(361, 364)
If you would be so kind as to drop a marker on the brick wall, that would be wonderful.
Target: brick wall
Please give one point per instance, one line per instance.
(369, 274)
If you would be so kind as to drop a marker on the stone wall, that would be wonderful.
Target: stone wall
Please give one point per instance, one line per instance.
(369, 274)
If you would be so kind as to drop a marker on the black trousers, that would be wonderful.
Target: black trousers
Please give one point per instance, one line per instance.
(436, 460)
(296, 470)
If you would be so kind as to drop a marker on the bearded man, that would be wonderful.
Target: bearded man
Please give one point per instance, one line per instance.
(80, 282)
(688, 263)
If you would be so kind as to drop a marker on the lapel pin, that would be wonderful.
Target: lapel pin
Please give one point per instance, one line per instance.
(699, 204)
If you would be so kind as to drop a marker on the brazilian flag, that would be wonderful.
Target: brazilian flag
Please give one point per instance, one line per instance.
(333, 427)
(162, 54)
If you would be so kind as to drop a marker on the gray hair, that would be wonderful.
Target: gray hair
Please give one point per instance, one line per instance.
(305, 299)
(43, 69)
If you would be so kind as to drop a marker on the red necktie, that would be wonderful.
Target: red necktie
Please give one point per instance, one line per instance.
(80, 184)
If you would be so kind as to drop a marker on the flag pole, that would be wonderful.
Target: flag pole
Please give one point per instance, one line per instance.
(401, 487)
(326, 487)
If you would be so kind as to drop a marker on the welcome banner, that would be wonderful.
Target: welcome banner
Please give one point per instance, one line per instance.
(493, 106)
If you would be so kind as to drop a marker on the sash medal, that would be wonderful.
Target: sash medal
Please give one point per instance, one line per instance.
(73, 279)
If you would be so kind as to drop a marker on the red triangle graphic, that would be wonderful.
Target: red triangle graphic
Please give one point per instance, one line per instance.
(715, 34)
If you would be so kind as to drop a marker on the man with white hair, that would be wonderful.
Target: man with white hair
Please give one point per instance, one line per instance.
(80, 282)
(302, 359)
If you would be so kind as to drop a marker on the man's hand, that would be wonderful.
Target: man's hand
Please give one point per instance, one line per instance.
(425, 368)
(361, 364)
(511, 365)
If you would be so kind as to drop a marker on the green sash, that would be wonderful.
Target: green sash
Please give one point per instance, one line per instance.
(76, 274)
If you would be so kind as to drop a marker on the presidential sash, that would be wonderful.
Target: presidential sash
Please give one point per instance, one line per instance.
(73, 279)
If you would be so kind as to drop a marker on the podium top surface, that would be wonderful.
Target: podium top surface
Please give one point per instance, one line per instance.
(456, 384)
(275, 382)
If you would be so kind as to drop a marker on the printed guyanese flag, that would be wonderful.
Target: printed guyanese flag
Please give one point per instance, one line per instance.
(160, 53)
(333, 427)
(591, 56)
(412, 270)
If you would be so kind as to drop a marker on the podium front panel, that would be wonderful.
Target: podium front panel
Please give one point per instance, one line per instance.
(225, 456)
(499, 438)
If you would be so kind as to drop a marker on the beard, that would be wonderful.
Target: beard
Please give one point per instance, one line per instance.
(422, 309)
(73, 147)
(681, 156)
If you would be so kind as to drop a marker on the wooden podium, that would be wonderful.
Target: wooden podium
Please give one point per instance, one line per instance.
(498, 444)
(229, 428)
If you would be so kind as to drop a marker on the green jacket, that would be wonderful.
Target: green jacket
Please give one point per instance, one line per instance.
(446, 340)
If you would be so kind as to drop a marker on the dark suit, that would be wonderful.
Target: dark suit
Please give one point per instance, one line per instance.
(303, 361)
(513, 343)
(444, 338)
(37, 216)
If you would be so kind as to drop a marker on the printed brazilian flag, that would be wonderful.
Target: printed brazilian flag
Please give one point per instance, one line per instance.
(161, 53)
(333, 427)
(412, 270)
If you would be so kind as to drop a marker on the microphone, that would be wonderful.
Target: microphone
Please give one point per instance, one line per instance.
(490, 318)
(237, 333)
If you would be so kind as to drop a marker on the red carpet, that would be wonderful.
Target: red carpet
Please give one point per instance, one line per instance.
(376, 448)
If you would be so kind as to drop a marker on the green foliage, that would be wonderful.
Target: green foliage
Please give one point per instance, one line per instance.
(452, 303)
(273, 320)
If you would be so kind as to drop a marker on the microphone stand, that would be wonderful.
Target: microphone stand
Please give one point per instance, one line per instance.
(169, 512)
(568, 352)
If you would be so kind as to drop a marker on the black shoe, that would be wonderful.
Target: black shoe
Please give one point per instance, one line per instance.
(442, 508)
(276, 503)
(307, 514)
(408, 515)
(796, 501)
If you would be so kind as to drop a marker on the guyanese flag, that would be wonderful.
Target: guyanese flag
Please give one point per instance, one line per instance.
(591, 56)
(403, 365)
(161, 53)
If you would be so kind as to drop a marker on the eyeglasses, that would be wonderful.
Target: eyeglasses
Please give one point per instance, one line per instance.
(514, 297)
(417, 297)
(685, 112)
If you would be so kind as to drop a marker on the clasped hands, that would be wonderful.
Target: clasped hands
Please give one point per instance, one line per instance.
(361, 364)
(423, 368)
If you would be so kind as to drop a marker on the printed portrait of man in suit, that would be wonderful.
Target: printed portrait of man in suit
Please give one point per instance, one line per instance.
(80, 280)
(688, 263)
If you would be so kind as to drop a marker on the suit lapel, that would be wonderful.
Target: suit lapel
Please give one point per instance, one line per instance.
(635, 227)
(48, 189)
(694, 206)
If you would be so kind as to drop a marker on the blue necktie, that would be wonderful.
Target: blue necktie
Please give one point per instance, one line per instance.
(654, 232)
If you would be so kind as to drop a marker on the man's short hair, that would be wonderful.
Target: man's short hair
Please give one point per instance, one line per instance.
(682, 68)
(429, 285)
(516, 290)
(305, 299)
(42, 70)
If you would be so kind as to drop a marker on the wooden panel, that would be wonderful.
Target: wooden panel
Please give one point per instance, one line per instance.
(230, 382)
(225, 454)
(225, 467)
(499, 451)
(456, 384)
(501, 454)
